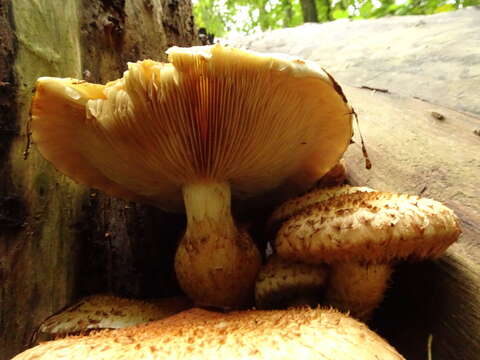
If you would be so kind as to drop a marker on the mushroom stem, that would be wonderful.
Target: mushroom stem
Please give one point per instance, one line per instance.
(208, 209)
(216, 263)
(357, 288)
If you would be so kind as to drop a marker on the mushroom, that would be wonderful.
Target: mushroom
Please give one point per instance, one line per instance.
(301, 333)
(361, 234)
(357, 288)
(213, 123)
(97, 312)
(282, 283)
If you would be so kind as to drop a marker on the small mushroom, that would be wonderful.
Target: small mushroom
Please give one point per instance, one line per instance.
(360, 235)
(282, 283)
(213, 123)
(300, 333)
(97, 312)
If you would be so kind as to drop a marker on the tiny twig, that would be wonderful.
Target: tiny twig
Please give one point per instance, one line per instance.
(28, 144)
(368, 163)
(374, 89)
(423, 190)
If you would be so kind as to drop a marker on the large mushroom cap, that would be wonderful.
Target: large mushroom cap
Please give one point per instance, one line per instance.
(200, 334)
(368, 227)
(213, 112)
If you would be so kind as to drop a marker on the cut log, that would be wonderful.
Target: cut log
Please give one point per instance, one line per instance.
(420, 148)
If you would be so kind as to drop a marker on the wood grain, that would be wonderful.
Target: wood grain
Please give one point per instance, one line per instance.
(414, 151)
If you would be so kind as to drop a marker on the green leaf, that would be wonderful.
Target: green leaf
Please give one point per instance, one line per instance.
(221, 16)
(366, 9)
(340, 14)
(444, 8)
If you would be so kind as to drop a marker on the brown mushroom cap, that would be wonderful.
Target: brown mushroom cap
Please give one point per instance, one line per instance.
(282, 283)
(294, 206)
(368, 227)
(214, 112)
(200, 334)
(97, 312)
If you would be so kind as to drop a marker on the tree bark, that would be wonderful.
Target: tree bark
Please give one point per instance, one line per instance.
(59, 240)
(309, 10)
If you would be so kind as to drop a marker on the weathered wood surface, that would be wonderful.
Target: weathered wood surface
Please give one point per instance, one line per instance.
(413, 151)
(57, 240)
(419, 148)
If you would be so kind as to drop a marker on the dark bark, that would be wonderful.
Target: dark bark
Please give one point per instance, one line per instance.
(309, 10)
(8, 126)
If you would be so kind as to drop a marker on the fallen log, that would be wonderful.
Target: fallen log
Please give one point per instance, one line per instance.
(420, 148)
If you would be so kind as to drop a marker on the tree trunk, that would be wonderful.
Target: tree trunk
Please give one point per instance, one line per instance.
(287, 12)
(328, 10)
(59, 240)
(309, 10)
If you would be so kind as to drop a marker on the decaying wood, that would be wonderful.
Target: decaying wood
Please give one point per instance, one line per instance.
(413, 152)
(57, 242)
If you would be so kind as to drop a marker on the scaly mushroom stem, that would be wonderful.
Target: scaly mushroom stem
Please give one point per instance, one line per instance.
(216, 263)
(357, 288)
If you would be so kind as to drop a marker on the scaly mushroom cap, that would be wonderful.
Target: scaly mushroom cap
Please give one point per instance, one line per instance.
(109, 312)
(368, 227)
(213, 112)
(294, 206)
(200, 334)
(282, 283)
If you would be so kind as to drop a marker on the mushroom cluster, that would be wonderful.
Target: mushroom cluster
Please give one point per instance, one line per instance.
(213, 123)
(200, 334)
(360, 233)
(216, 125)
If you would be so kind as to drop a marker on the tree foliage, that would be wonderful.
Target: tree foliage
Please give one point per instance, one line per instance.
(246, 16)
